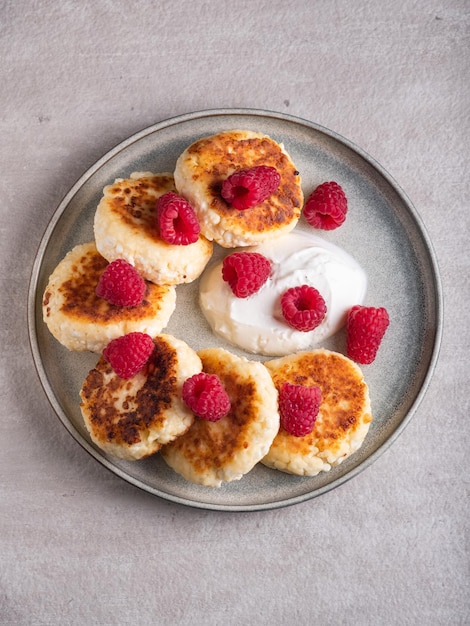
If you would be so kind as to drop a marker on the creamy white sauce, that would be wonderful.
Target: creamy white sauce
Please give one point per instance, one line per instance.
(256, 324)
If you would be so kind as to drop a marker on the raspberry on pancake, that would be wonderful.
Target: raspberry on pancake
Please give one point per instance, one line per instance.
(202, 168)
(133, 418)
(343, 419)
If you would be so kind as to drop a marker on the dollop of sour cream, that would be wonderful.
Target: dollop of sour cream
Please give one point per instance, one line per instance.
(256, 324)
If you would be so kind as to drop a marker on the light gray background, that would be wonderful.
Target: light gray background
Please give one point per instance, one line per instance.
(80, 546)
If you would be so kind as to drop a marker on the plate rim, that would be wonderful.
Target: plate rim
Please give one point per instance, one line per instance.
(188, 117)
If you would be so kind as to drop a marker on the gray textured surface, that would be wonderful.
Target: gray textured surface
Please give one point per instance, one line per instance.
(80, 546)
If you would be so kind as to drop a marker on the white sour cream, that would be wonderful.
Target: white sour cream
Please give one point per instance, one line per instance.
(255, 324)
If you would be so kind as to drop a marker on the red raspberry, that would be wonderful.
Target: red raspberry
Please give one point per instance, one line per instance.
(365, 328)
(177, 221)
(245, 272)
(298, 408)
(326, 206)
(303, 307)
(121, 284)
(205, 395)
(128, 354)
(247, 188)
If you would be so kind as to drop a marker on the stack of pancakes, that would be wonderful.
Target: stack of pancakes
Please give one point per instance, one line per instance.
(135, 418)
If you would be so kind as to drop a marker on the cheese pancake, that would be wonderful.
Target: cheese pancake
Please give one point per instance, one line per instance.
(80, 320)
(211, 453)
(343, 419)
(205, 164)
(133, 418)
(125, 227)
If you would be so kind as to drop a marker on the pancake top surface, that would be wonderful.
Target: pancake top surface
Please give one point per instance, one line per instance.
(345, 405)
(83, 267)
(121, 410)
(218, 442)
(133, 201)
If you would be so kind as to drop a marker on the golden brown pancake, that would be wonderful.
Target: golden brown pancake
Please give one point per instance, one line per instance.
(80, 320)
(343, 419)
(213, 452)
(205, 164)
(125, 227)
(133, 418)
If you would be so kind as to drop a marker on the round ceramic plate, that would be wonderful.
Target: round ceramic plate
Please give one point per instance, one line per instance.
(382, 231)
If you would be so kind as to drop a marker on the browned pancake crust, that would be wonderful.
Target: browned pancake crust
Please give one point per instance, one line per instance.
(81, 301)
(134, 201)
(209, 445)
(148, 405)
(345, 404)
(221, 155)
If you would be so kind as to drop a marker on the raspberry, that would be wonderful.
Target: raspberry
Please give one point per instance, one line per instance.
(177, 221)
(298, 408)
(326, 206)
(365, 328)
(121, 284)
(128, 354)
(303, 307)
(245, 272)
(247, 188)
(205, 395)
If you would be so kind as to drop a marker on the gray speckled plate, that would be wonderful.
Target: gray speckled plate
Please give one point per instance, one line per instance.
(382, 231)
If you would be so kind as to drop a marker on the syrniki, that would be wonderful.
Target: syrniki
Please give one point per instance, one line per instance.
(211, 453)
(206, 163)
(126, 227)
(343, 419)
(81, 320)
(133, 418)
